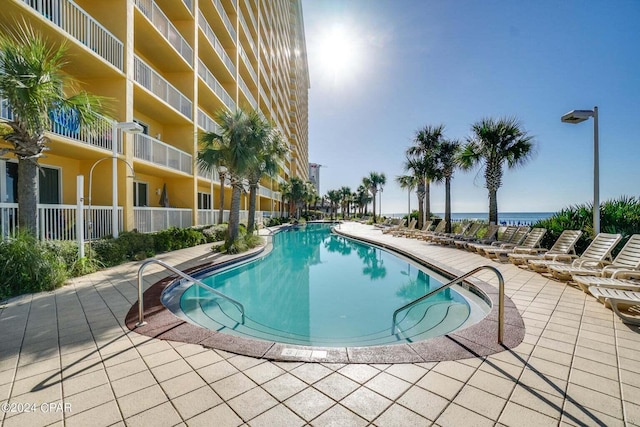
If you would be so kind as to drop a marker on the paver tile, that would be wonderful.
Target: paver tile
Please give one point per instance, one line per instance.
(338, 416)
(366, 403)
(252, 403)
(423, 402)
(455, 415)
(196, 402)
(399, 416)
(336, 386)
(309, 403)
(387, 385)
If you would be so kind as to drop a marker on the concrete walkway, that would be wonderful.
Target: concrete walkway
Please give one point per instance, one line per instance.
(66, 358)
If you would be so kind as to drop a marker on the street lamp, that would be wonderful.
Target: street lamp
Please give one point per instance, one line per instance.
(129, 127)
(578, 116)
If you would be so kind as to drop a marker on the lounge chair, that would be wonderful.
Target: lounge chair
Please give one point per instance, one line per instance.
(488, 237)
(531, 241)
(564, 245)
(618, 300)
(597, 253)
(399, 223)
(470, 233)
(402, 230)
(505, 237)
(517, 239)
(414, 232)
(627, 260)
(463, 229)
(619, 280)
(428, 235)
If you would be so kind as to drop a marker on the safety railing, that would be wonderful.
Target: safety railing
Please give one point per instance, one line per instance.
(247, 92)
(182, 274)
(210, 80)
(207, 123)
(458, 280)
(225, 19)
(152, 150)
(149, 220)
(215, 43)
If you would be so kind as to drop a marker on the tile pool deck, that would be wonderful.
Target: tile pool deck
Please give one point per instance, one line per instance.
(66, 358)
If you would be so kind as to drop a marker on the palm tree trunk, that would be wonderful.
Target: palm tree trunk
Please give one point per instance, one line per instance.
(447, 203)
(28, 196)
(221, 209)
(374, 206)
(427, 199)
(253, 190)
(493, 206)
(420, 193)
(234, 215)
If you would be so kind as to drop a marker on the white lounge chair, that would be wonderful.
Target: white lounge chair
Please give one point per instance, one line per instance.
(531, 241)
(488, 237)
(564, 245)
(616, 282)
(428, 235)
(620, 300)
(596, 254)
(470, 233)
(414, 232)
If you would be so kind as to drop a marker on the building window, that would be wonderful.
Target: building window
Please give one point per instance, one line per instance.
(140, 194)
(204, 201)
(49, 184)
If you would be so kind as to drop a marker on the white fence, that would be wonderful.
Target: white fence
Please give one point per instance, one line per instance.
(149, 220)
(155, 151)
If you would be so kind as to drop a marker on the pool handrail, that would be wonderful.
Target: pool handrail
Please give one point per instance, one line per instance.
(182, 274)
(457, 280)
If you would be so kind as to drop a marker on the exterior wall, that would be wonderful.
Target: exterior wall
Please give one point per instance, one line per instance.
(167, 66)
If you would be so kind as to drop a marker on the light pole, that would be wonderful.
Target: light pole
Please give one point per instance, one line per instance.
(129, 127)
(222, 171)
(577, 116)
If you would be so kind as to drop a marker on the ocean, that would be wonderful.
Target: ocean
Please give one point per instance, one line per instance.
(505, 218)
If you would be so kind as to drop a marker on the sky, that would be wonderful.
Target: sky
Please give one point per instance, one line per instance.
(382, 69)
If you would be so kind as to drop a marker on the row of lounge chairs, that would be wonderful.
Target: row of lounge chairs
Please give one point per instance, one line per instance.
(615, 282)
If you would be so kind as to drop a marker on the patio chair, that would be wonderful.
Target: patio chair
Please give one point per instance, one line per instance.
(471, 232)
(518, 237)
(402, 230)
(597, 253)
(428, 235)
(488, 237)
(414, 232)
(627, 260)
(619, 280)
(386, 223)
(399, 223)
(564, 245)
(463, 229)
(619, 300)
(532, 240)
(506, 237)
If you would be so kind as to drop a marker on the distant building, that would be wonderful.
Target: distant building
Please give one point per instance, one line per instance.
(314, 175)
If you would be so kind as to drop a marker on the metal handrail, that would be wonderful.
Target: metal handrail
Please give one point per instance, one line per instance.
(457, 280)
(141, 321)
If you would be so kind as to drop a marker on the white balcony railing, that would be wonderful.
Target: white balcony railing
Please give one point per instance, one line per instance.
(215, 43)
(251, 15)
(225, 19)
(151, 10)
(149, 220)
(58, 222)
(101, 135)
(215, 86)
(148, 78)
(243, 23)
(159, 153)
(207, 123)
(67, 15)
(263, 93)
(245, 58)
(247, 92)
(189, 4)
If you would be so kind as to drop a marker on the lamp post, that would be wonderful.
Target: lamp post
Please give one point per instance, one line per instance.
(222, 171)
(578, 116)
(129, 127)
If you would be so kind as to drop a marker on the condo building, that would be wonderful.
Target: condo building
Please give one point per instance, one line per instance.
(169, 66)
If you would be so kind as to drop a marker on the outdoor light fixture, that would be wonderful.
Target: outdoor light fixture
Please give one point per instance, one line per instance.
(578, 116)
(129, 127)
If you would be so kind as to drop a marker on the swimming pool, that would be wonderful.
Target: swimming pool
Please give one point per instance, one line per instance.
(319, 289)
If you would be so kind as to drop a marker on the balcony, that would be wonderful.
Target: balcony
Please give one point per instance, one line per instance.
(156, 84)
(215, 43)
(251, 15)
(189, 4)
(207, 123)
(247, 92)
(157, 152)
(100, 136)
(246, 61)
(215, 86)
(225, 19)
(78, 24)
(160, 21)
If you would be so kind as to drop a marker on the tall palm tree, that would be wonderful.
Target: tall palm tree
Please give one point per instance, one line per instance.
(424, 150)
(409, 182)
(345, 200)
(334, 197)
(235, 148)
(492, 144)
(35, 87)
(270, 149)
(415, 167)
(362, 199)
(448, 161)
(375, 181)
(285, 192)
(297, 194)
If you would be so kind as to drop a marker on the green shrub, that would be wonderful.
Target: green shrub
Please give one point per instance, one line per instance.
(84, 265)
(109, 252)
(27, 265)
(136, 246)
(66, 249)
(215, 233)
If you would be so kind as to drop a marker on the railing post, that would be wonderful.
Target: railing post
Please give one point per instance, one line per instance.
(80, 215)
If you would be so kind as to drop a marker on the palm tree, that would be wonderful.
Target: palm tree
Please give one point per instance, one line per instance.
(374, 182)
(235, 148)
(297, 194)
(334, 197)
(416, 167)
(270, 149)
(424, 151)
(362, 199)
(345, 200)
(285, 192)
(448, 161)
(35, 87)
(494, 143)
(409, 182)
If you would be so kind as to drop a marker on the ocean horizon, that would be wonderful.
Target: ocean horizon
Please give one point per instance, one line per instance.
(525, 218)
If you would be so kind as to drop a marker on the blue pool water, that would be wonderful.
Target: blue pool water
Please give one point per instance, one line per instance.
(317, 288)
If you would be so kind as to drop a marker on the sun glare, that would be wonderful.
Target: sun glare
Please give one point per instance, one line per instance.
(339, 53)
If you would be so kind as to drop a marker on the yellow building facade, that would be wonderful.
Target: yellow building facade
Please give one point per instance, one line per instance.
(168, 65)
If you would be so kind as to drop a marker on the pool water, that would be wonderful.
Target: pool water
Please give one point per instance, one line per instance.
(321, 289)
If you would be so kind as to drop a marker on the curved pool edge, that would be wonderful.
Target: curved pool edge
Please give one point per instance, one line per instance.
(477, 340)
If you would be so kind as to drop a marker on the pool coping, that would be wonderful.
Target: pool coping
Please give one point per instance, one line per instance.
(479, 339)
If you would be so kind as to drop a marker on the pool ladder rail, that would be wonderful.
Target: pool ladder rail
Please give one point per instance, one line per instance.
(182, 274)
(455, 281)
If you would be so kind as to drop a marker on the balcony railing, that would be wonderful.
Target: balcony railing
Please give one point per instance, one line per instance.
(225, 19)
(247, 92)
(148, 78)
(215, 86)
(189, 5)
(251, 16)
(152, 11)
(245, 58)
(243, 23)
(101, 135)
(149, 220)
(159, 153)
(215, 43)
(207, 123)
(58, 222)
(76, 22)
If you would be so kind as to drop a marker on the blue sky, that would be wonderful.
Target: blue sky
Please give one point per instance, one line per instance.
(403, 64)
